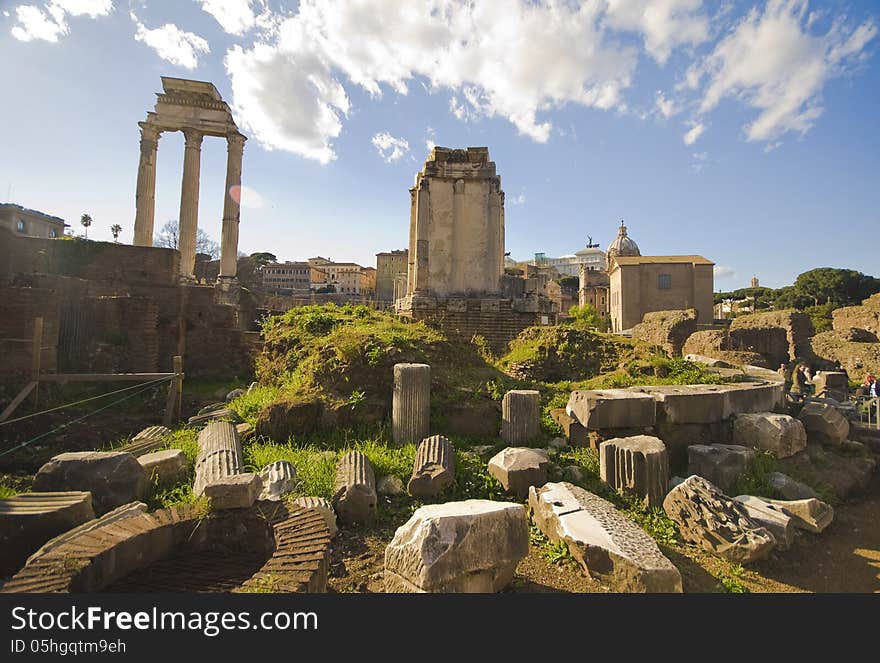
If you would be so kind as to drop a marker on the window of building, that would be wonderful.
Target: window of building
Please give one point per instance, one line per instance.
(53, 233)
(664, 281)
(20, 226)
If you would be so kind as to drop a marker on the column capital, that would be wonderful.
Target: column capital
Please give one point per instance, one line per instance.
(149, 132)
(193, 138)
(235, 142)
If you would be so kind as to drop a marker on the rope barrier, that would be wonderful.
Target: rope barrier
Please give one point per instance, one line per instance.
(86, 400)
(77, 420)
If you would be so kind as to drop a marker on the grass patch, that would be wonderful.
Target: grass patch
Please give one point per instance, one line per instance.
(731, 581)
(249, 405)
(754, 481)
(7, 491)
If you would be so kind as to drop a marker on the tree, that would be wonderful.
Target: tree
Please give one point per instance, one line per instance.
(588, 316)
(841, 287)
(168, 238)
(86, 220)
(115, 229)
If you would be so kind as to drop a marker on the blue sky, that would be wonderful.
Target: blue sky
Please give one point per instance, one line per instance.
(743, 131)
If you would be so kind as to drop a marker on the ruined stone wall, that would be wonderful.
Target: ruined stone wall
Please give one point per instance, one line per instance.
(20, 307)
(715, 343)
(866, 316)
(668, 329)
(497, 320)
(781, 336)
(117, 308)
(94, 261)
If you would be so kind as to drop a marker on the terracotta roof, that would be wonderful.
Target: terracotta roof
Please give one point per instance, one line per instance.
(654, 260)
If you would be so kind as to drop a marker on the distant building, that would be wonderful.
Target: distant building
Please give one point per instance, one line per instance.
(642, 284)
(29, 222)
(391, 267)
(284, 278)
(569, 265)
(755, 283)
(593, 289)
(368, 282)
(345, 277)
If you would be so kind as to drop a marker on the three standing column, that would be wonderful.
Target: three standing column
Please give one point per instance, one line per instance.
(189, 203)
(145, 195)
(231, 207)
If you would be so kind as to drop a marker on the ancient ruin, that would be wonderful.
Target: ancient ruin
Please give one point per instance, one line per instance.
(196, 109)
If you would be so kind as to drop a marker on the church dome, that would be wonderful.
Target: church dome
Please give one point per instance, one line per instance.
(623, 245)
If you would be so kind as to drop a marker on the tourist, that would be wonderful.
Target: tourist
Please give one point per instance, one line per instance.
(799, 383)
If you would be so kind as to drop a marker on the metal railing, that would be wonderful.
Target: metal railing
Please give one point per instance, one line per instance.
(869, 410)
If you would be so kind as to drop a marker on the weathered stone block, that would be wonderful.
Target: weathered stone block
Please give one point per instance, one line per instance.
(577, 435)
(607, 544)
(789, 488)
(752, 397)
(708, 518)
(809, 514)
(433, 469)
(832, 384)
(697, 404)
(783, 435)
(470, 546)
(355, 496)
(411, 403)
(29, 520)
(278, 479)
(219, 455)
(119, 513)
(113, 478)
(612, 408)
(164, 467)
(238, 491)
(721, 464)
(520, 416)
(517, 468)
(775, 519)
(390, 484)
(637, 466)
(824, 423)
(323, 507)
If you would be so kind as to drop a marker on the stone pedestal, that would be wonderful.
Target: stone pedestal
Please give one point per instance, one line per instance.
(355, 496)
(520, 416)
(637, 466)
(411, 404)
(219, 455)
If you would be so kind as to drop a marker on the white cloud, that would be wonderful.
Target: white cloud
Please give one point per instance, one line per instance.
(484, 53)
(390, 148)
(90, 8)
(664, 24)
(235, 16)
(34, 24)
(518, 200)
(722, 272)
(690, 137)
(429, 140)
(666, 107)
(172, 44)
(774, 63)
(49, 23)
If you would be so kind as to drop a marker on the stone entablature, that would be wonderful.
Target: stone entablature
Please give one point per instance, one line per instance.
(196, 109)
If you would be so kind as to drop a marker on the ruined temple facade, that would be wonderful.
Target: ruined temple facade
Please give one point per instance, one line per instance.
(196, 109)
(456, 232)
(455, 275)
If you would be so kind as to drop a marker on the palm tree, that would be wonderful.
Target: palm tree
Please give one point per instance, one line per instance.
(115, 229)
(86, 220)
